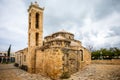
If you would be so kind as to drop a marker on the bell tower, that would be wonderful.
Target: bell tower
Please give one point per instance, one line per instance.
(35, 33)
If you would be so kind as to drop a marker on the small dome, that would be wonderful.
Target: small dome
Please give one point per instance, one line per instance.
(59, 37)
(47, 36)
(63, 31)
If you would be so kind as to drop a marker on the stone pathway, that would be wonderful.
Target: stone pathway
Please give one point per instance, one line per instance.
(98, 72)
(27, 76)
(91, 72)
(9, 72)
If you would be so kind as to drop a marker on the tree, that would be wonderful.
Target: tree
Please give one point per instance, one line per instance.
(106, 53)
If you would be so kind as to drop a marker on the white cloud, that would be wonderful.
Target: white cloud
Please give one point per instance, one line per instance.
(13, 19)
(92, 22)
(97, 31)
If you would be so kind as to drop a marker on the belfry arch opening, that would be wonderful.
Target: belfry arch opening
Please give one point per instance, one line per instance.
(37, 20)
(29, 20)
(37, 39)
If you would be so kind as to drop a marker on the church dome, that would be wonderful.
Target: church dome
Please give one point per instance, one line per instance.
(73, 43)
(63, 31)
(59, 37)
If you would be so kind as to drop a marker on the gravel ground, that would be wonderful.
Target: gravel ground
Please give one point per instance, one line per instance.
(91, 72)
(98, 72)
(9, 72)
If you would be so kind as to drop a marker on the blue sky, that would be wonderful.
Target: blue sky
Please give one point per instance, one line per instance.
(94, 22)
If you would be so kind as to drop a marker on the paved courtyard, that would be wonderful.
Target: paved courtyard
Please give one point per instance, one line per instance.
(98, 72)
(9, 72)
(91, 72)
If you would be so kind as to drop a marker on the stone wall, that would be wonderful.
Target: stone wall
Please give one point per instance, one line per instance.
(35, 34)
(49, 62)
(24, 57)
(87, 56)
(21, 57)
(71, 61)
(113, 61)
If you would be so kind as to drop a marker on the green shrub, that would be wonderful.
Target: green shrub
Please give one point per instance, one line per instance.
(16, 64)
(24, 67)
(65, 75)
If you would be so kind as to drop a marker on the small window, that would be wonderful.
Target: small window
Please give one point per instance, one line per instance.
(37, 38)
(29, 20)
(24, 57)
(29, 38)
(69, 37)
(29, 25)
(81, 52)
(63, 58)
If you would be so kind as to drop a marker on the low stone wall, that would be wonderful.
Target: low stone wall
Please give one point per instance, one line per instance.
(113, 61)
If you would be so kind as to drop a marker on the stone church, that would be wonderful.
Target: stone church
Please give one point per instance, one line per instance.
(54, 55)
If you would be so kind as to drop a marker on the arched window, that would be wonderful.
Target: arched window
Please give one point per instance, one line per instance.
(29, 39)
(37, 20)
(29, 20)
(24, 57)
(37, 38)
(81, 52)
